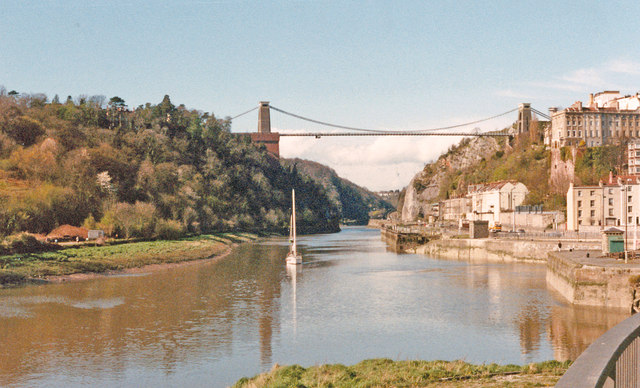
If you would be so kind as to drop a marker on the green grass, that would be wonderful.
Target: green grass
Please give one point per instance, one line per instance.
(388, 373)
(19, 268)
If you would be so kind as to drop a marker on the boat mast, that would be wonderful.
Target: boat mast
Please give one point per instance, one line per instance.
(293, 221)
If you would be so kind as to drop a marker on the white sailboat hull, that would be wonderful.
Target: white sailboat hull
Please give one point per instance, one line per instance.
(294, 260)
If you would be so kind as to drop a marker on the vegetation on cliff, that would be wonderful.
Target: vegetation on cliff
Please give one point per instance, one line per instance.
(146, 172)
(356, 204)
(388, 373)
(523, 158)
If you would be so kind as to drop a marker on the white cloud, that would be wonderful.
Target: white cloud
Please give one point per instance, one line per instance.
(512, 94)
(624, 66)
(591, 77)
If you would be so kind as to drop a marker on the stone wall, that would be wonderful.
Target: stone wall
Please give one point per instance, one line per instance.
(497, 249)
(591, 284)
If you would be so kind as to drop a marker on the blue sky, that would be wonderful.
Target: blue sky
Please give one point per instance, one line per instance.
(373, 64)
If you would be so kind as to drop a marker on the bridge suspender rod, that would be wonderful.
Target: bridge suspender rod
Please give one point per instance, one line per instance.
(322, 134)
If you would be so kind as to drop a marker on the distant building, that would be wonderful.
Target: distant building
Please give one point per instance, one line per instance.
(488, 200)
(608, 118)
(633, 157)
(485, 201)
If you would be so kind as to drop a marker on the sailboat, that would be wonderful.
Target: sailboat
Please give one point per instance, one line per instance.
(293, 257)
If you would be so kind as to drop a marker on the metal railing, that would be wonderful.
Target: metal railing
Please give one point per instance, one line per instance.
(613, 360)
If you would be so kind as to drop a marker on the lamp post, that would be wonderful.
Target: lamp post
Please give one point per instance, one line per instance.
(626, 219)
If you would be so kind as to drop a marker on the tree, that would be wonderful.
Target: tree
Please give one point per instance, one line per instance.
(24, 130)
(116, 102)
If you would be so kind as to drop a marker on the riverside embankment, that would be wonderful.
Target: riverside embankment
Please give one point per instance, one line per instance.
(583, 278)
(83, 261)
(496, 249)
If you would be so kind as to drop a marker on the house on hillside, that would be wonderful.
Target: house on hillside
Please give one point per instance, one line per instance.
(489, 200)
(609, 117)
(485, 202)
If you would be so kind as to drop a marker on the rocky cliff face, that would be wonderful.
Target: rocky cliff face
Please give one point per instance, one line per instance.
(424, 188)
(562, 171)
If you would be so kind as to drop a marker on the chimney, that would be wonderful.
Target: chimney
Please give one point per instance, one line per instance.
(591, 100)
(610, 177)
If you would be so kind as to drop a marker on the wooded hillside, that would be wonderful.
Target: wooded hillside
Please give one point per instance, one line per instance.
(152, 171)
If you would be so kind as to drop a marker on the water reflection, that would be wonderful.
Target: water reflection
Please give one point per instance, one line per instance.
(212, 323)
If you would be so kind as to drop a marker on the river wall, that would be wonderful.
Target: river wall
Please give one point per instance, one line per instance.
(500, 250)
(402, 242)
(590, 283)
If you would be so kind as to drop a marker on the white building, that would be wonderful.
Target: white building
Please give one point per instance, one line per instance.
(489, 200)
(614, 203)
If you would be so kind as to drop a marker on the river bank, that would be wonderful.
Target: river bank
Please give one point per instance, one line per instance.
(82, 262)
(387, 373)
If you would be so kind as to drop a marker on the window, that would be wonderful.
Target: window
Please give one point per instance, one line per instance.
(579, 213)
(629, 209)
(592, 203)
(610, 191)
(593, 213)
(592, 193)
(629, 199)
(579, 203)
(610, 201)
(630, 220)
(611, 212)
(579, 193)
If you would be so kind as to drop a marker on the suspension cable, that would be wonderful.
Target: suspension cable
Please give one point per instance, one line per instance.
(386, 131)
(534, 110)
(242, 114)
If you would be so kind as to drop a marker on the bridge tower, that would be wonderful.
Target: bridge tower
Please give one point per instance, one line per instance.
(524, 118)
(264, 135)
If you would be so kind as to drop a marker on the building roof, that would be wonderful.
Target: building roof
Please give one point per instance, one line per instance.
(68, 231)
(491, 186)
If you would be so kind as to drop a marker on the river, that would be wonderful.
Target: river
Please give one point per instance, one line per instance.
(211, 323)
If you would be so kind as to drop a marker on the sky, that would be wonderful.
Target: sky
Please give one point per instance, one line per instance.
(392, 65)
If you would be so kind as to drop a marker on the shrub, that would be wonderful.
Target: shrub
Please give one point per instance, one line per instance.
(23, 243)
(169, 229)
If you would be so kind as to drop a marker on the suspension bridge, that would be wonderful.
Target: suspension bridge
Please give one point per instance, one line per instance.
(272, 139)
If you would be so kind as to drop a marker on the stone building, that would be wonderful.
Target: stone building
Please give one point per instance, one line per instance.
(614, 203)
(608, 118)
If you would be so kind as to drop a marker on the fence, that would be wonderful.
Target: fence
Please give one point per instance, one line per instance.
(613, 360)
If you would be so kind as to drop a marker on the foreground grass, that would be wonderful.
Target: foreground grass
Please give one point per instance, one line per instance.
(21, 268)
(388, 373)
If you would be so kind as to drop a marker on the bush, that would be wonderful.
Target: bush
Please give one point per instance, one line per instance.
(23, 243)
(169, 229)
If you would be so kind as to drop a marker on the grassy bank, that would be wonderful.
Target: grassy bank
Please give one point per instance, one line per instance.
(25, 267)
(388, 373)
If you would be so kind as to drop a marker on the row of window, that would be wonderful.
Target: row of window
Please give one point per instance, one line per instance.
(610, 191)
(592, 213)
(578, 133)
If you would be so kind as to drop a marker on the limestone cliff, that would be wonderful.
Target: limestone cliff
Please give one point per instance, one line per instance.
(425, 186)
